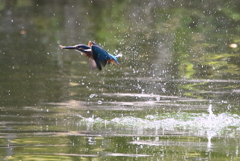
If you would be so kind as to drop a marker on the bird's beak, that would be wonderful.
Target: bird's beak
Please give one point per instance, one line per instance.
(68, 47)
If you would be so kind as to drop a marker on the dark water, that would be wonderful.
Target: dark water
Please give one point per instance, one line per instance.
(174, 97)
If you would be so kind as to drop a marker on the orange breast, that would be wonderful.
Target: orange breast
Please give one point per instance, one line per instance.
(112, 61)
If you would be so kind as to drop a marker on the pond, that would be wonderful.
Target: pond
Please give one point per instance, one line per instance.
(175, 95)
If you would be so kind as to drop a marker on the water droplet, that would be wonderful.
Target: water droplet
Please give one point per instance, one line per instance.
(93, 95)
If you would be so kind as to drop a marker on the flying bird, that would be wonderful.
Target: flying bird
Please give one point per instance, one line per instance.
(97, 55)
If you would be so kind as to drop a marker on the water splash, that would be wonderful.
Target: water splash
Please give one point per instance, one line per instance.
(99, 102)
(93, 95)
(201, 124)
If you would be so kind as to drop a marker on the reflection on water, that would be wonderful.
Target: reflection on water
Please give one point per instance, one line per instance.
(104, 132)
(174, 97)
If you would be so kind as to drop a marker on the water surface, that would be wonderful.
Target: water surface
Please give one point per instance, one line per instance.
(174, 97)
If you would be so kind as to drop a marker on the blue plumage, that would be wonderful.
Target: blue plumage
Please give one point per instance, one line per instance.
(95, 53)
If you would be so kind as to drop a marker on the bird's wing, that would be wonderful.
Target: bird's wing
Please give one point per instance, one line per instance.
(92, 64)
(100, 56)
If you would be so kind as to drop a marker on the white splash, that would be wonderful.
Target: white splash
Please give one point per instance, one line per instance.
(200, 123)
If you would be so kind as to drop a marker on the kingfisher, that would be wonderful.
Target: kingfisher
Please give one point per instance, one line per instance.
(98, 57)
